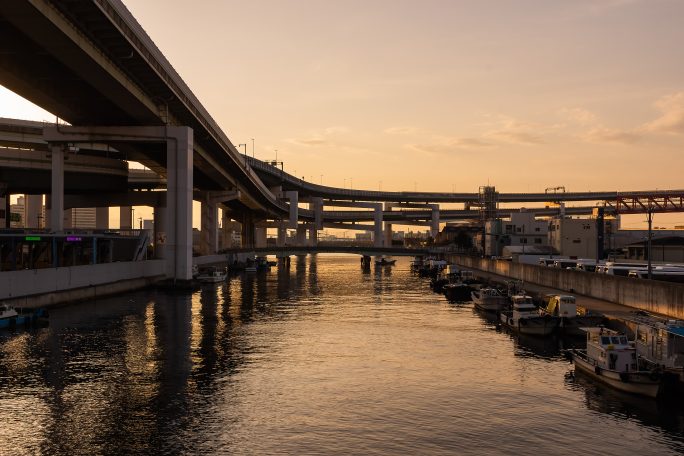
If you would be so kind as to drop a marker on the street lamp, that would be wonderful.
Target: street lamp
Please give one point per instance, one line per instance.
(240, 145)
(252, 147)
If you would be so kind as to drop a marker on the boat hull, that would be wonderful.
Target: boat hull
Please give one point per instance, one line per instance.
(641, 383)
(489, 303)
(572, 326)
(535, 326)
(459, 292)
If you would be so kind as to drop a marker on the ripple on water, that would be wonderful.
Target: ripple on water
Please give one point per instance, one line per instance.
(322, 358)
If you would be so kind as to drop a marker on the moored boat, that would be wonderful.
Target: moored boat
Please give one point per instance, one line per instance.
(457, 292)
(572, 320)
(212, 275)
(612, 359)
(489, 299)
(526, 319)
(11, 317)
(385, 262)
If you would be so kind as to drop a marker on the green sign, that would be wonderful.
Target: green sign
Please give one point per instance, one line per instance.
(32, 238)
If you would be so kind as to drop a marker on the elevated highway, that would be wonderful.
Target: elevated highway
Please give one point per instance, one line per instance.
(91, 64)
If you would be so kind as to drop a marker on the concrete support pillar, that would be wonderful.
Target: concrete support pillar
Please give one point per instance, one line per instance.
(281, 240)
(388, 227)
(179, 150)
(126, 218)
(377, 227)
(434, 222)
(57, 190)
(260, 237)
(209, 231)
(102, 218)
(5, 211)
(33, 211)
(317, 207)
(313, 235)
(293, 196)
(301, 236)
(248, 231)
(159, 233)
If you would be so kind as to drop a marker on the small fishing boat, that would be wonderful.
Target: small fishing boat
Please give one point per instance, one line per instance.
(212, 275)
(572, 321)
(449, 274)
(385, 262)
(612, 359)
(526, 319)
(11, 317)
(457, 292)
(489, 299)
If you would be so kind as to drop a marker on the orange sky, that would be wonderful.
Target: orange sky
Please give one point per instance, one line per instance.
(438, 95)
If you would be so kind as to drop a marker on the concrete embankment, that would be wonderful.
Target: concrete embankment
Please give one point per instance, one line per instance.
(650, 295)
(53, 286)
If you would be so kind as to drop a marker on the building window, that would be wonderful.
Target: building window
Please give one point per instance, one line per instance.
(537, 229)
(523, 240)
(576, 241)
(537, 240)
(509, 228)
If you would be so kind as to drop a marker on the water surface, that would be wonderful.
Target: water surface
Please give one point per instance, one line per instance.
(320, 358)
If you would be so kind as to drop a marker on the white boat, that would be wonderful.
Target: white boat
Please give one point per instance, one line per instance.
(610, 358)
(526, 319)
(385, 262)
(489, 299)
(212, 275)
(572, 320)
(660, 343)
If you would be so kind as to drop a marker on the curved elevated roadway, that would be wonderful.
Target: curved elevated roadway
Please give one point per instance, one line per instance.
(275, 176)
(92, 64)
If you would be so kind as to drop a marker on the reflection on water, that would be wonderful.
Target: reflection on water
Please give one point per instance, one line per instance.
(321, 357)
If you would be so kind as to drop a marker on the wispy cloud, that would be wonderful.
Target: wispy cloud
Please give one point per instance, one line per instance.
(319, 138)
(602, 135)
(672, 118)
(513, 131)
(403, 130)
(447, 145)
(579, 116)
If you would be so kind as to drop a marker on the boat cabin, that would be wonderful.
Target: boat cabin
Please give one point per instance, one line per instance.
(562, 306)
(661, 342)
(523, 306)
(450, 271)
(611, 350)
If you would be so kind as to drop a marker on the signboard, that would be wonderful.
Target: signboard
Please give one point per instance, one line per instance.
(15, 217)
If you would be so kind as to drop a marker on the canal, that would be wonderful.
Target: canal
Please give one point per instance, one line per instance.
(320, 358)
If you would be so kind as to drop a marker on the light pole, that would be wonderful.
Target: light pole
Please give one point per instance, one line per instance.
(140, 219)
(253, 148)
(321, 179)
(648, 240)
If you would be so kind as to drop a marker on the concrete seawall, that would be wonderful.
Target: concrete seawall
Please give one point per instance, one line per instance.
(52, 286)
(650, 295)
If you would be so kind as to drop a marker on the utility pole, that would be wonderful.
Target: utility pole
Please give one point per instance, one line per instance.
(648, 241)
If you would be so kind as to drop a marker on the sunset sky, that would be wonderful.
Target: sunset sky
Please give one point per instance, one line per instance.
(437, 95)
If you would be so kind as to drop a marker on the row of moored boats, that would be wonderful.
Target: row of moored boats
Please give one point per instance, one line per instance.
(640, 354)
